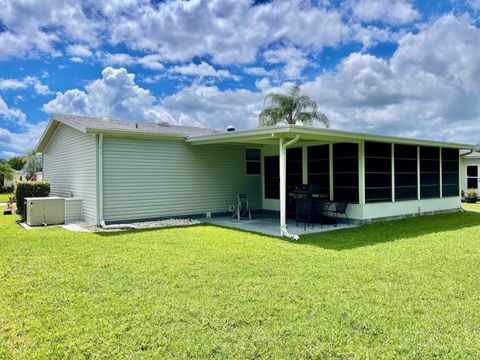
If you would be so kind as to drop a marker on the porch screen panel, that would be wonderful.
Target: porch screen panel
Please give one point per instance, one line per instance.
(450, 175)
(345, 172)
(294, 168)
(405, 172)
(318, 167)
(294, 176)
(378, 172)
(429, 172)
(272, 177)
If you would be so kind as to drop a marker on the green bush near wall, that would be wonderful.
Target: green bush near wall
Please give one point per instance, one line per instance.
(26, 189)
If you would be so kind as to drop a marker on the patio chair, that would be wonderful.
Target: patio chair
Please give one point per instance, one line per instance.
(338, 208)
(303, 213)
(242, 209)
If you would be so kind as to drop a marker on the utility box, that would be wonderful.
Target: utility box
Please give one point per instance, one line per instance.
(45, 210)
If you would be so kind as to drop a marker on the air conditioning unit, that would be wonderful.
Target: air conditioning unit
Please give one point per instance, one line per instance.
(45, 210)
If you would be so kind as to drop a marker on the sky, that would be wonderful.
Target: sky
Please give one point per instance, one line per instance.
(397, 67)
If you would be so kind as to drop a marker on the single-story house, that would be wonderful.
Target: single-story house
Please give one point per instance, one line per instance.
(470, 170)
(129, 171)
(18, 175)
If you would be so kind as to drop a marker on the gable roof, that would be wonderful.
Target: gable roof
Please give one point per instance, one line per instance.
(200, 136)
(95, 125)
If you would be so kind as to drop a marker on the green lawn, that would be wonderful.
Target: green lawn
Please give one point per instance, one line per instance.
(5, 196)
(401, 289)
(471, 206)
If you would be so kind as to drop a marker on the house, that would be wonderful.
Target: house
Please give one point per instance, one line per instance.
(18, 175)
(470, 170)
(125, 171)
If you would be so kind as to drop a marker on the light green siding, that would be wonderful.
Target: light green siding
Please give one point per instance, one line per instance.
(148, 179)
(69, 163)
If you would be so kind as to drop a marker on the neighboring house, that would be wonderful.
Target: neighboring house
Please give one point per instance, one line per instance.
(126, 171)
(18, 175)
(470, 170)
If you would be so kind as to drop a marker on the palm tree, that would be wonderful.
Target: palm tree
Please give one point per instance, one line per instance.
(290, 108)
(6, 173)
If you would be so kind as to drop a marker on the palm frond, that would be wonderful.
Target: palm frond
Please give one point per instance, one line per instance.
(290, 108)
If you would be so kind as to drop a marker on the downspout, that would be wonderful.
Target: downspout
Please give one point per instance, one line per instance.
(283, 194)
(100, 179)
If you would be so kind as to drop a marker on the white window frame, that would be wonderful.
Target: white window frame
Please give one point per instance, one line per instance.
(259, 161)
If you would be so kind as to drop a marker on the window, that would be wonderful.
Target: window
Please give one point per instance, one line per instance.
(378, 172)
(405, 172)
(272, 177)
(450, 182)
(472, 177)
(345, 171)
(429, 172)
(252, 161)
(319, 167)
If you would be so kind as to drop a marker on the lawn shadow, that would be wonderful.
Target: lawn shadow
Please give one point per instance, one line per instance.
(355, 237)
(388, 231)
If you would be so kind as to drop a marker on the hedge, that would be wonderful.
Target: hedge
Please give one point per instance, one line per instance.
(24, 189)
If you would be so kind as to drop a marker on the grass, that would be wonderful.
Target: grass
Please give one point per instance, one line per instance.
(4, 197)
(471, 206)
(401, 289)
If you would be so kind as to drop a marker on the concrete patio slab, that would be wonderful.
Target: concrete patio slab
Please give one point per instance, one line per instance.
(270, 224)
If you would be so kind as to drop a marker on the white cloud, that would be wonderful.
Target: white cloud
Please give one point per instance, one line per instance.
(78, 51)
(201, 70)
(114, 95)
(257, 71)
(294, 59)
(36, 26)
(17, 143)
(210, 107)
(475, 4)
(423, 90)
(76, 59)
(151, 62)
(12, 84)
(230, 31)
(11, 114)
(28, 81)
(386, 11)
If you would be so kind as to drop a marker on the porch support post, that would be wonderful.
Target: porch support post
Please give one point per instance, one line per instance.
(361, 172)
(283, 186)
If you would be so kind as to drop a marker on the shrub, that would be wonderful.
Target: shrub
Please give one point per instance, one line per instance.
(25, 189)
(471, 194)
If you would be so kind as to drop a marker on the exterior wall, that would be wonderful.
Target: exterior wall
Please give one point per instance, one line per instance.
(69, 163)
(380, 210)
(464, 161)
(151, 179)
(18, 175)
(73, 210)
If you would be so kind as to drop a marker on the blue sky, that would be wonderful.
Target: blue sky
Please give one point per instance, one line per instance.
(396, 67)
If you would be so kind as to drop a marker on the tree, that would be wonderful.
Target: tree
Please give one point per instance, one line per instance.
(6, 173)
(290, 108)
(33, 164)
(18, 162)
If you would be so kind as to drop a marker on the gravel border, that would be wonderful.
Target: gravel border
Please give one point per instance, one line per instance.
(83, 227)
